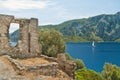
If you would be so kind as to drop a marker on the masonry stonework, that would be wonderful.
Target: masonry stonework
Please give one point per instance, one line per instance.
(28, 46)
(4, 28)
(28, 42)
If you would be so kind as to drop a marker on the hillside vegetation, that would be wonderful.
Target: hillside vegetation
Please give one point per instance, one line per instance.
(98, 28)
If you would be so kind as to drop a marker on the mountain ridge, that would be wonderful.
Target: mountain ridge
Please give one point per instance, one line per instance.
(104, 27)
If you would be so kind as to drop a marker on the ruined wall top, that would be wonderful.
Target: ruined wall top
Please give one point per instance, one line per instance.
(28, 42)
(3, 15)
(14, 19)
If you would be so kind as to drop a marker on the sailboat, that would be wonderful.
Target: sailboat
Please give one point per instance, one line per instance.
(93, 44)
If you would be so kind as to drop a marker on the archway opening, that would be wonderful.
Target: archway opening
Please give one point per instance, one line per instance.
(14, 34)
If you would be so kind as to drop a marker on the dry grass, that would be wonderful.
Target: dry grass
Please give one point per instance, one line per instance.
(32, 75)
(7, 62)
(33, 61)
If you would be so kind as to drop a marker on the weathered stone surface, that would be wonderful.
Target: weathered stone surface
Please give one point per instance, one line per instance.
(4, 28)
(61, 57)
(47, 69)
(66, 65)
(28, 43)
(14, 69)
(7, 71)
(34, 36)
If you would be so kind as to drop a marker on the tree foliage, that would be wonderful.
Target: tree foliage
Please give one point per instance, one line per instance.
(68, 57)
(111, 72)
(93, 37)
(84, 74)
(80, 64)
(52, 42)
(74, 39)
(117, 40)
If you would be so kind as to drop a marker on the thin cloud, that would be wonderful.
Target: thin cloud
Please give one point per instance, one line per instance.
(23, 4)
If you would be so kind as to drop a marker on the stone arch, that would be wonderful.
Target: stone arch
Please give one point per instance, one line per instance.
(28, 42)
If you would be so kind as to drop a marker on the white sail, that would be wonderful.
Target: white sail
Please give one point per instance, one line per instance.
(93, 44)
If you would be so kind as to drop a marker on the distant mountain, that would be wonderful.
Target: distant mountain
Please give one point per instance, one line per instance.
(15, 36)
(98, 28)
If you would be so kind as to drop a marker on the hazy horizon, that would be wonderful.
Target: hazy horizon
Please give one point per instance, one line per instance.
(58, 11)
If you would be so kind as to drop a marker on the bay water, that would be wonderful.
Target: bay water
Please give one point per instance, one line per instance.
(95, 57)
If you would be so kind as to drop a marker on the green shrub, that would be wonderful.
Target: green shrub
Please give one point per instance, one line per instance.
(80, 64)
(117, 40)
(68, 57)
(84, 74)
(111, 72)
(52, 42)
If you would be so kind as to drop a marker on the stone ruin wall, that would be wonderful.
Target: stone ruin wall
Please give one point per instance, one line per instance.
(28, 46)
(28, 42)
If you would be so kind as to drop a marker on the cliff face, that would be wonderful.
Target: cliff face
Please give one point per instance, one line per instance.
(43, 68)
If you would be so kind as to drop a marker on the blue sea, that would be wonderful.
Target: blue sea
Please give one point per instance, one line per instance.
(95, 57)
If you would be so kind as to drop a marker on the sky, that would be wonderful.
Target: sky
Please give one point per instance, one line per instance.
(58, 11)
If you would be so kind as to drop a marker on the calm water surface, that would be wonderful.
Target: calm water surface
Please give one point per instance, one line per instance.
(95, 57)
